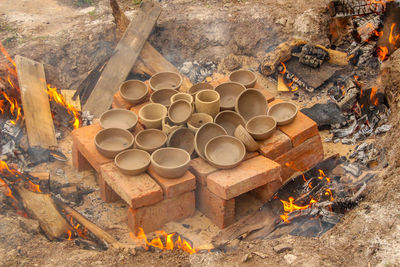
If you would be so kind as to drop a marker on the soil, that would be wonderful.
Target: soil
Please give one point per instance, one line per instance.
(71, 36)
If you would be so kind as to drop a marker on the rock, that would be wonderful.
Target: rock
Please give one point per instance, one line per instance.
(282, 248)
(259, 254)
(290, 258)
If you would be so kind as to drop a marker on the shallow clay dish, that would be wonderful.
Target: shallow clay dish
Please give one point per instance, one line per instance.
(182, 138)
(150, 140)
(261, 127)
(182, 96)
(225, 151)
(109, 142)
(170, 162)
(205, 134)
(228, 93)
(132, 161)
(163, 96)
(118, 118)
(251, 103)
(243, 135)
(229, 120)
(165, 80)
(180, 111)
(133, 91)
(245, 77)
(199, 87)
(197, 120)
(152, 114)
(283, 113)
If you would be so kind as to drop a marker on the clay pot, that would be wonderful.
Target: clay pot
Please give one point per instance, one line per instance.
(132, 161)
(228, 93)
(207, 101)
(225, 152)
(180, 111)
(251, 103)
(245, 77)
(168, 126)
(118, 118)
(244, 136)
(229, 120)
(151, 139)
(109, 142)
(261, 127)
(163, 96)
(205, 134)
(133, 91)
(200, 87)
(283, 113)
(182, 96)
(151, 115)
(182, 138)
(165, 80)
(197, 120)
(170, 162)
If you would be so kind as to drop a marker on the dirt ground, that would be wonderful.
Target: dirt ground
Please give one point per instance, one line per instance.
(71, 36)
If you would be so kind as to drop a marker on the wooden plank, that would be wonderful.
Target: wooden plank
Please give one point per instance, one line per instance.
(68, 96)
(35, 103)
(123, 59)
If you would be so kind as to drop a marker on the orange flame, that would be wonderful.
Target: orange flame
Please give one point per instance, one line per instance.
(289, 207)
(284, 68)
(393, 39)
(328, 192)
(382, 52)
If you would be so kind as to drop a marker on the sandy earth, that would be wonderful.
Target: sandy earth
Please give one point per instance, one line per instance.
(71, 36)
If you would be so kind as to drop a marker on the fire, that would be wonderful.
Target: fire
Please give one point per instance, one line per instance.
(382, 52)
(393, 39)
(289, 207)
(81, 231)
(163, 241)
(373, 98)
(284, 68)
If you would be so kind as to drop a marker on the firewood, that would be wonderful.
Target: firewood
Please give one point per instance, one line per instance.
(350, 8)
(68, 96)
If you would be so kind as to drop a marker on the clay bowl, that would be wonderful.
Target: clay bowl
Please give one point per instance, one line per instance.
(118, 118)
(205, 134)
(251, 103)
(165, 80)
(168, 126)
(170, 162)
(109, 142)
(228, 93)
(182, 96)
(180, 111)
(261, 127)
(283, 113)
(199, 87)
(152, 114)
(243, 135)
(229, 120)
(225, 151)
(151, 139)
(197, 120)
(245, 77)
(182, 138)
(132, 161)
(163, 96)
(133, 91)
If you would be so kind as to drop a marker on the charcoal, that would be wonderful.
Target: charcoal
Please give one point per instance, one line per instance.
(11, 129)
(8, 148)
(345, 131)
(313, 56)
(352, 169)
(325, 114)
(350, 8)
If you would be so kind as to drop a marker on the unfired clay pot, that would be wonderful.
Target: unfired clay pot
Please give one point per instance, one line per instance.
(163, 96)
(182, 138)
(132, 161)
(150, 140)
(228, 93)
(182, 96)
(109, 142)
(170, 162)
(151, 115)
(207, 101)
(244, 136)
(251, 103)
(225, 152)
(205, 134)
(165, 80)
(168, 126)
(261, 127)
(229, 120)
(199, 87)
(133, 91)
(283, 113)
(245, 77)
(118, 118)
(197, 120)
(180, 111)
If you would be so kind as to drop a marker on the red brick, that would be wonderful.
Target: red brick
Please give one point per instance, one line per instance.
(138, 191)
(302, 157)
(201, 169)
(83, 139)
(78, 160)
(267, 94)
(250, 155)
(106, 193)
(276, 145)
(138, 107)
(249, 175)
(220, 211)
(174, 187)
(119, 102)
(265, 192)
(153, 217)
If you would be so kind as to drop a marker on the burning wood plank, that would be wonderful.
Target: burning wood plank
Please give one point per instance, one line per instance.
(347, 8)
